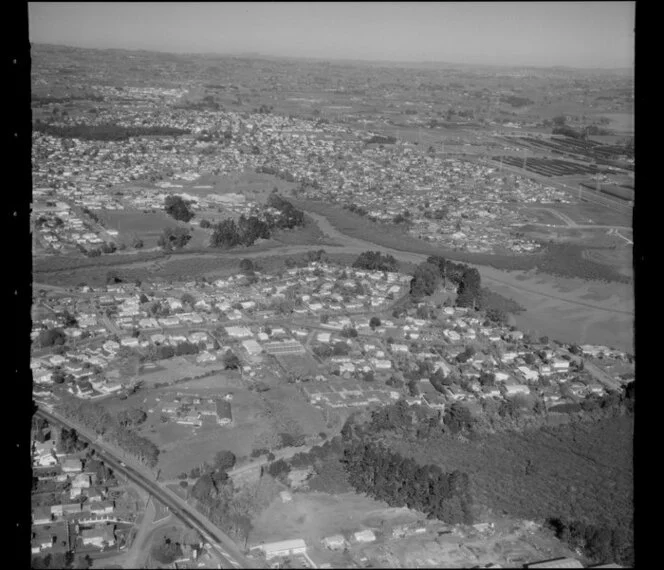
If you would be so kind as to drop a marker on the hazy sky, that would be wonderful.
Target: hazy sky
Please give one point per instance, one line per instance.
(578, 34)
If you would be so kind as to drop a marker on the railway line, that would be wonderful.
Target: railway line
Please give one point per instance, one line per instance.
(223, 546)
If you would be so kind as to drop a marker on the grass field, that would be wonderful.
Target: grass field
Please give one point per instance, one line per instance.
(579, 471)
(602, 313)
(134, 223)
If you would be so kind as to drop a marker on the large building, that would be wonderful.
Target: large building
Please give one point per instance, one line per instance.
(283, 548)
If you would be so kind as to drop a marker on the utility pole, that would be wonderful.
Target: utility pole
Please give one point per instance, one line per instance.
(525, 158)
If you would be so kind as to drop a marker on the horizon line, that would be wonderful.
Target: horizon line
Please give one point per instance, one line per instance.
(259, 55)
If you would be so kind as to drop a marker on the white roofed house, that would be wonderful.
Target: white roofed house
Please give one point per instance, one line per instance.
(514, 389)
(529, 374)
(560, 365)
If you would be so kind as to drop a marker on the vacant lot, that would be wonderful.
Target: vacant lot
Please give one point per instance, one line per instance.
(252, 185)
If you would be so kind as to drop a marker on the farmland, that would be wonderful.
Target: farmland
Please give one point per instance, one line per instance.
(547, 167)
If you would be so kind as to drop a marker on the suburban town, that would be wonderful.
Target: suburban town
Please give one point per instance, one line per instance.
(328, 313)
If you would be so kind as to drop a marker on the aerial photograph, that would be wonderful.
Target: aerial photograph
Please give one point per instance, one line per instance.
(332, 285)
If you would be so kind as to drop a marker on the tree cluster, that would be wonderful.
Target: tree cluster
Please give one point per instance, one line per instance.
(65, 560)
(436, 270)
(359, 210)
(178, 208)
(166, 551)
(516, 101)
(601, 544)
(376, 261)
(69, 442)
(401, 482)
(290, 217)
(174, 238)
(105, 132)
(132, 417)
(51, 337)
(98, 419)
(379, 139)
(246, 231)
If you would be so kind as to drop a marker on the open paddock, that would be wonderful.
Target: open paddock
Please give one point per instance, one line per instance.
(175, 369)
(302, 364)
(313, 516)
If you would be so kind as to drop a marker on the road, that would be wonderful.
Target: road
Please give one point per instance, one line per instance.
(224, 547)
(135, 556)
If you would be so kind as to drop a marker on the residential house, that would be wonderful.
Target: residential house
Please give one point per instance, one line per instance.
(101, 508)
(334, 542)
(224, 412)
(99, 537)
(365, 536)
(72, 465)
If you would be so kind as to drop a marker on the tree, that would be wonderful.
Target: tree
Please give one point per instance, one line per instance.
(247, 266)
(374, 323)
(166, 552)
(231, 360)
(225, 460)
(349, 332)
(425, 281)
(174, 238)
(205, 224)
(177, 208)
(69, 319)
(559, 120)
(225, 234)
(51, 337)
(497, 316)
(278, 469)
(458, 418)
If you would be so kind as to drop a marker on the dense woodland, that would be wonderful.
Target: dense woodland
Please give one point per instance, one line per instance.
(400, 482)
(105, 132)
